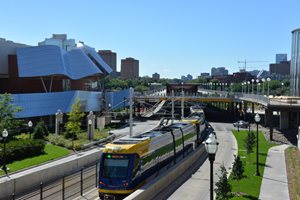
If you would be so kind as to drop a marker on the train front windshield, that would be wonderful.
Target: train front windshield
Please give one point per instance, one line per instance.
(115, 166)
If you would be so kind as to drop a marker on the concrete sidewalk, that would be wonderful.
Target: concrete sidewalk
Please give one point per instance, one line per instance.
(274, 184)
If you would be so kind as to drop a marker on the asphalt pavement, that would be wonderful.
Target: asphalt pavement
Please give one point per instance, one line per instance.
(197, 187)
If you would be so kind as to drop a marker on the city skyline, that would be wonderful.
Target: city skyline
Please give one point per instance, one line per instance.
(171, 38)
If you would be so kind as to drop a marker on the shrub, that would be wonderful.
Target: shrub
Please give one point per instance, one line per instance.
(40, 130)
(20, 149)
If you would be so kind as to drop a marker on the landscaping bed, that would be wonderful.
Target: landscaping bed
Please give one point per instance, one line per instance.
(250, 185)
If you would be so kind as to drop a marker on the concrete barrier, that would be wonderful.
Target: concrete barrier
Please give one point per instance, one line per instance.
(23, 181)
(157, 185)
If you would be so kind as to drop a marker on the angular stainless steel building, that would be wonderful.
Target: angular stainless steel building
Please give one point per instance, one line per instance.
(295, 63)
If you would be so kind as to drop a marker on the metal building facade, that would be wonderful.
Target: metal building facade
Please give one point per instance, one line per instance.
(295, 63)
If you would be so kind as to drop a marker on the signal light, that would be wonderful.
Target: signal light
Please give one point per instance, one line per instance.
(108, 156)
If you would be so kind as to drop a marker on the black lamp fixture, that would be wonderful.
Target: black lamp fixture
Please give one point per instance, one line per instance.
(257, 120)
(211, 146)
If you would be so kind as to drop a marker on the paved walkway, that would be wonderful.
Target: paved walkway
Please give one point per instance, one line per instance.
(274, 184)
(197, 187)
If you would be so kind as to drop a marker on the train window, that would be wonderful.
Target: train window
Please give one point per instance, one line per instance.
(115, 168)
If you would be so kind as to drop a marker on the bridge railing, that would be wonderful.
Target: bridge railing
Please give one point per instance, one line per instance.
(253, 97)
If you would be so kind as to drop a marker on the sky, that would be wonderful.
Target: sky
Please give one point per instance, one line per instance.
(170, 37)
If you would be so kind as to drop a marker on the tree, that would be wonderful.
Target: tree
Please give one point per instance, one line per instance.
(223, 190)
(238, 171)
(7, 112)
(250, 141)
(40, 130)
(74, 120)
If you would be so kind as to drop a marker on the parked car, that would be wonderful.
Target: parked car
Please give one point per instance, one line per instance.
(241, 124)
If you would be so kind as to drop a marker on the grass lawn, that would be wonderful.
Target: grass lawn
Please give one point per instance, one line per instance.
(51, 152)
(250, 186)
(292, 159)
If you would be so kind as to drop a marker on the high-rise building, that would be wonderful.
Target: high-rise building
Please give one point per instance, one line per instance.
(295, 64)
(129, 68)
(281, 58)
(282, 68)
(156, 76)
(110, 58)
(61, 41)
(220, 71)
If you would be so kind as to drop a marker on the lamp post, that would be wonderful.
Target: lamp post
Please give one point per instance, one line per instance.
(211, 146)
(182, 101)
(257, 120)
(252, 80)
(242, 88)
(258, 91)
(282, 84)
(263, 86)
(268, 79)
(248, 87)
(4, 136)
(90, 129)
(238, 124)
(30, 124)
(257, 81)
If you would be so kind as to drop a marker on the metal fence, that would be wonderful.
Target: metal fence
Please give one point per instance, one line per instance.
(67, 187)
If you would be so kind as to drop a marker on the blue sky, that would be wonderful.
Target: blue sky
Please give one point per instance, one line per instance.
(171, 37)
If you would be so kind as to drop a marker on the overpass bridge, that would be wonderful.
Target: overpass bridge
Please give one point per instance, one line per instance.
(242, 104)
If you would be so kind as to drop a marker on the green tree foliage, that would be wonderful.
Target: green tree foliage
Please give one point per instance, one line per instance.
(140, 84)
(40, 130)
(7, 112)
(20, 149)
(74, 120)
(250, 141)
(223, 190)
(238, 171)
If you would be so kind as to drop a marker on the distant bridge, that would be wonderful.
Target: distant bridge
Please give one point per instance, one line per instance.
(289, 107)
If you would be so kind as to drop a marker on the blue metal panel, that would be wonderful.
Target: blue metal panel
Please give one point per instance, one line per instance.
(116, 99)
(52, 60)
(40, 61)
(79, 65)
(91, 52)
(43, 104)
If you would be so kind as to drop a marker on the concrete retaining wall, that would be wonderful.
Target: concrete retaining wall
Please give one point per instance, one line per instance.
(31, 178)
(158, 184)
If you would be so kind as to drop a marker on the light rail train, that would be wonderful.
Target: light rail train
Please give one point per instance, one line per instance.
(126, 163)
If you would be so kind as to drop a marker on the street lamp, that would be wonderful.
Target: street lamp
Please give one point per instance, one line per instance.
(238, 124)
(248, 87)
(30, 124)
(4, 136)
(258, 88)
(268, 79)
(252, 84)
(90, 129)
(263, 86)
(257, 81)
(211, 146)
(242, 87)
(182, 101)
(257, 120)
(282, 84)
